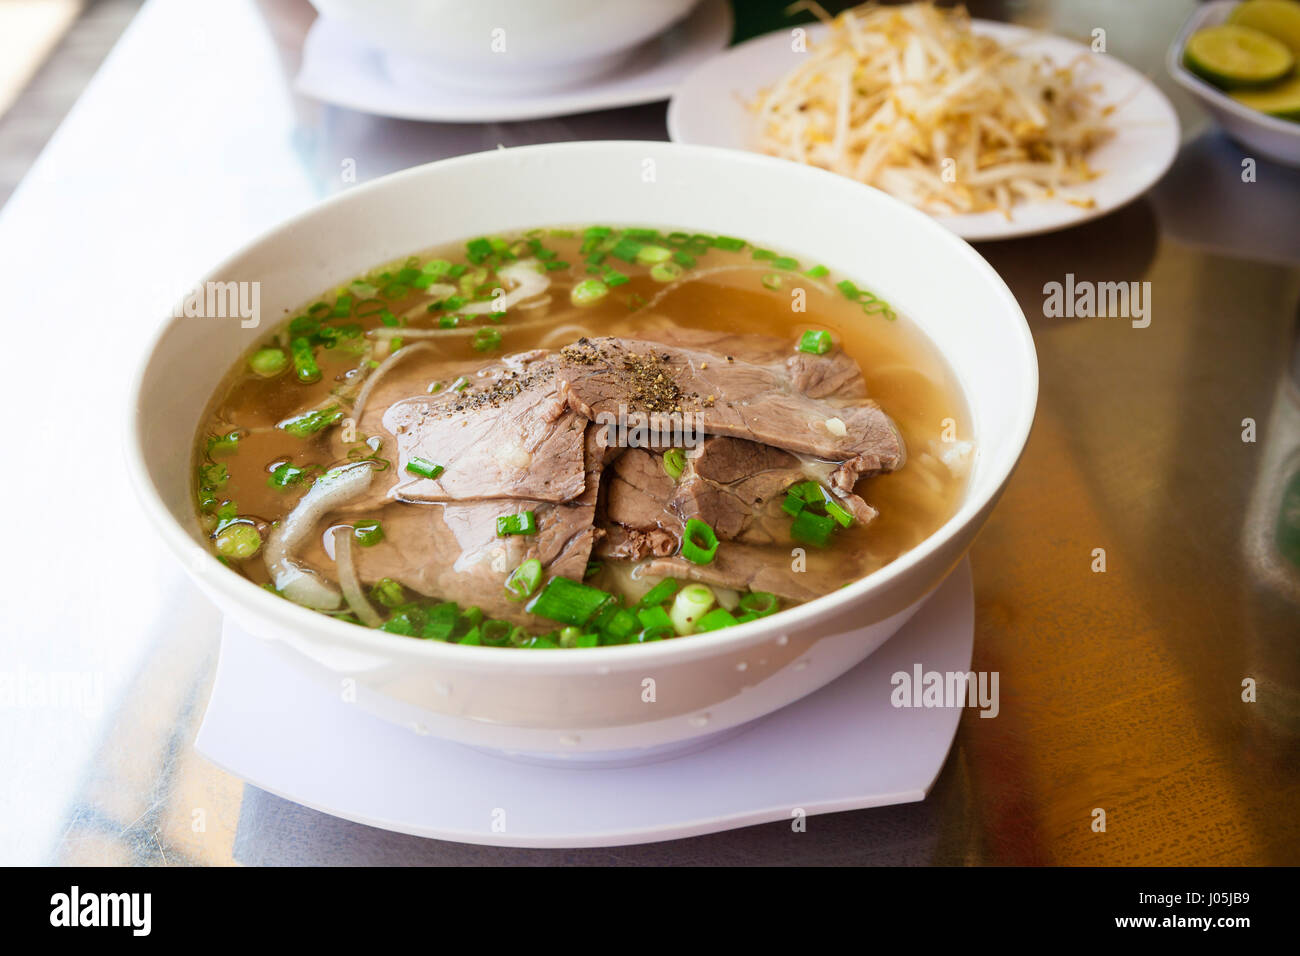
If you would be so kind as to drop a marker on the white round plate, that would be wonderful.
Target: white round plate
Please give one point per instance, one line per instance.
(845, 747)
(338, 69)
(709, 108)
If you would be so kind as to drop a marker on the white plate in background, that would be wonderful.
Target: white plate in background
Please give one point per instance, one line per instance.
(709, 108)
(339, 69)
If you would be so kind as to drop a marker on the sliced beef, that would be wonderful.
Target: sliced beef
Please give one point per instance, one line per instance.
(831, 376)
(451, 550)
(757, 568)
(509, 434)
(733, 485)
(734, 398)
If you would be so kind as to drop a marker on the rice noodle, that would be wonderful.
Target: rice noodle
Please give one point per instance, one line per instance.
(298, 583)
(359, 406)
(349, 581)
(528, 283)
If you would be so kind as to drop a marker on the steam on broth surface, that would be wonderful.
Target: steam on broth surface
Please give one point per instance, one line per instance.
(580, 437)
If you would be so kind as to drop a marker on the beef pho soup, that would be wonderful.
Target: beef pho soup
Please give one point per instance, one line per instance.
(580, 437)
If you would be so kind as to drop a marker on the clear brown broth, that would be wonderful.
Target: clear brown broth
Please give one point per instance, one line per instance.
(904, 372)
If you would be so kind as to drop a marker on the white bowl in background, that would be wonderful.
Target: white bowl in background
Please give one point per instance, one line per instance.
(1274, 138)
(502, 44)
(588, 702)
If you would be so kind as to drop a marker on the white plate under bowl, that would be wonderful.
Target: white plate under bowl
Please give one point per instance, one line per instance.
(845, 747)
(1270, 136)
(709, 108)
(337, 68)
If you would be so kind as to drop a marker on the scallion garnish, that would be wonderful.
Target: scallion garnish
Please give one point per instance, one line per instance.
(816, 272)
(815, 342)
(569, 602)
(659, 594)
(476, 250)
(674, 462)
(689, 606)
(759, 603)
(368, 533)
(715, 620)
(268, 363)
(309, 423)
(729, 243)
(487, 339)
(525, 522)
(238, 541)
(523, 580)
(699, 542)
(588, 292)
(666, 272)
(304, 361)
(812, 528)
(424, 468)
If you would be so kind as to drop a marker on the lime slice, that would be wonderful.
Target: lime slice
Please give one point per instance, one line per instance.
(1231, 56)
(1280, 19)
(1281, 99)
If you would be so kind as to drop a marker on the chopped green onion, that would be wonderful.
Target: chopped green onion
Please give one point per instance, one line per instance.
(342, 307)
(729, 243)
(593, 568)
(523, 580)
(487, 339)
(226, 444)
(525, 522)
(450, 322)
(816, 272)
(699, 542)
(648, 634)
(841, 514)
(793, 504)
(666, 272)
(569, 602)
(771, 280)
(268, 363)
(653, 255)
(472, 638)
(684, 259)
(658, 594)
(436, 267)
(476, 250)
(596, 232)
(626, 249)
(424, 468)
(786, 263)
(213, 477)
(309, 423)
(815, 342)
(674, 462)
(764, 254)
(812, 528)
(623, 624)
(460, 384)
(715, 620)
(496, 633)
(388, 592)
(655, 618)
(613, 278)
(759, 603)
(689, 606)
(587, 639)
(588, 292)
(568, 636)
(368, 533)
(238, 541)
(441, 622)
(304, 361)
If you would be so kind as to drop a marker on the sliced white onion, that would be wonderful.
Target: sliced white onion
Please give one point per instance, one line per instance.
(528, 282)
(349, 581)
(331, 490)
